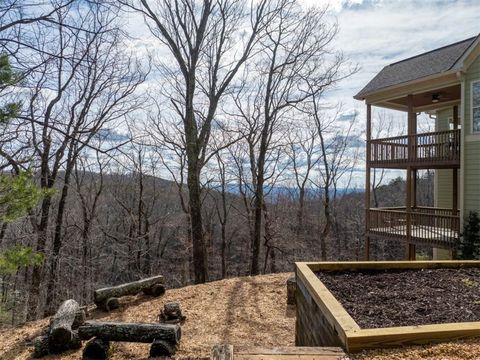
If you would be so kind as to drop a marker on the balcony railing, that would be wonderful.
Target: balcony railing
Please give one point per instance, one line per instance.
(441, 148)
(425, 225)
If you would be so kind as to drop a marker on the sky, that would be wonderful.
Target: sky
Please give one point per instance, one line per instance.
(373, 34)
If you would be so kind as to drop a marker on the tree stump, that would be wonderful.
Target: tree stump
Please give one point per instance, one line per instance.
(162, 348)
(171, 313)
(96, 349)
(291, 289)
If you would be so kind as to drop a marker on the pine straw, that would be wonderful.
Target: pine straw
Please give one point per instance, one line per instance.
(247, 311)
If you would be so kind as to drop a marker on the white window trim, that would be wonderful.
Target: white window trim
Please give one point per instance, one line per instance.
(471, 107)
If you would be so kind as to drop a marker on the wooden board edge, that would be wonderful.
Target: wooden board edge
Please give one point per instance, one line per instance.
(331, 308)
(412, 335)
(288, 350)
(379, 265)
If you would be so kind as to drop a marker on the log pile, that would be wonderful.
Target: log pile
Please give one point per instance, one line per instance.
(107, 298)
(62, 333)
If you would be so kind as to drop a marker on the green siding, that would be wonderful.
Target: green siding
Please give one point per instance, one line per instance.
(471, 181)
(444, 183)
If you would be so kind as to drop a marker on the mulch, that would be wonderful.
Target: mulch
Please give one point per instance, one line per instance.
(388, 298)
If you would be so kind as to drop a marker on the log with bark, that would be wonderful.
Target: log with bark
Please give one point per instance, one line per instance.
(162, 348)
(61, 333)
(106, 298)
(171, 313)
(130, 332)
(96, 349)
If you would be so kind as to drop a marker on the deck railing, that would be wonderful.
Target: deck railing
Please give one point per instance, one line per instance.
(440, 147)
(435, 226)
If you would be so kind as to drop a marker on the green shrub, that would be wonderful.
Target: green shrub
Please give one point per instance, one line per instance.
(469, 245)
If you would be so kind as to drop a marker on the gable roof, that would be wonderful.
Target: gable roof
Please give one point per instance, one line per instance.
(417, 67)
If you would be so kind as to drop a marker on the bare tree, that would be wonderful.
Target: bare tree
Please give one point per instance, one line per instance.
(293, 67)
(203, 39)
(88, 84)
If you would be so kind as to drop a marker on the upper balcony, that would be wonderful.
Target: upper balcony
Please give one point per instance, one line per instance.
(434, 150)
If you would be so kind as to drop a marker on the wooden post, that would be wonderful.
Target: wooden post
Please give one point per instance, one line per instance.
(409, 186)
(367, 182)
(455, 170)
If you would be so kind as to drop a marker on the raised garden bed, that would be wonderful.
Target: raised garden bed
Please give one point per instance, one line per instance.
(361, 305)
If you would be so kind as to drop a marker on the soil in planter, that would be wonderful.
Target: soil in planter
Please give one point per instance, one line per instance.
(407, 297)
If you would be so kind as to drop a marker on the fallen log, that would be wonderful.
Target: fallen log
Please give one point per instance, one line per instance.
(130, 332)
(96, 349)
(162, 348)
(60, 333)
(132, 288)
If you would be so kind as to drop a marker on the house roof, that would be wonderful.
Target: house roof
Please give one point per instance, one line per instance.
(430, 63)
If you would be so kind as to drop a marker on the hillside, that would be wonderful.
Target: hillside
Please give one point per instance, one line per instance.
(245, 311)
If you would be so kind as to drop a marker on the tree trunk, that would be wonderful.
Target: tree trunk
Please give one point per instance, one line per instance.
(130, 332)
(198, 240)
(37, 271)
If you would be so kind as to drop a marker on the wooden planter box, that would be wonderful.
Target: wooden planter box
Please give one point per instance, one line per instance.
(322, 320)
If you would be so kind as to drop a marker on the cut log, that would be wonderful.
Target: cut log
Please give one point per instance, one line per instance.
(162, 348)
(131, 288)
(40, 346)
(131, 332)
(109, 304)
(291, 288)
(74, 344)
(155, 290)
(61, 323)
(96, 349)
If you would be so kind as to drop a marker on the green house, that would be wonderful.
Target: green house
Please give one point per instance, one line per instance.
(444, 83)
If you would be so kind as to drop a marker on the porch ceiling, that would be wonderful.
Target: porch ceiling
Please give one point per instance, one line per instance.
(424, 101)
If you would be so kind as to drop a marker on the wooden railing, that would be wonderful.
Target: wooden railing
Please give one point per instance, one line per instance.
(435, 148)
(435, 226)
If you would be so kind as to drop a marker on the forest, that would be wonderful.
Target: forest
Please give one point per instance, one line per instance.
(208, 149)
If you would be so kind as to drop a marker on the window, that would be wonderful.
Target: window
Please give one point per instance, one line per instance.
(476, 106)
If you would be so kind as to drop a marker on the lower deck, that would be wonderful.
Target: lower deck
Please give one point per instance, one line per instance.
(437, 227)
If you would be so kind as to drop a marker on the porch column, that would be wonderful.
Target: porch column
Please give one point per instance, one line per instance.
(410, 248)
(455, 170)
(367, 183)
